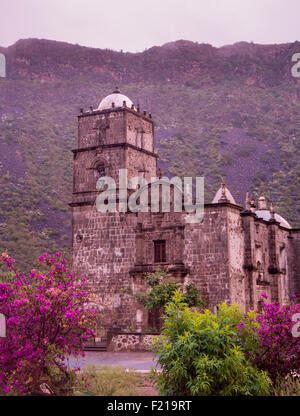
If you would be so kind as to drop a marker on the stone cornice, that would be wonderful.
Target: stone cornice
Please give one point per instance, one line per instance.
(115, 110)
(125, 145)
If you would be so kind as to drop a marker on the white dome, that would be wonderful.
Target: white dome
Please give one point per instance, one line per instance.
(266, 215)
(117, 98)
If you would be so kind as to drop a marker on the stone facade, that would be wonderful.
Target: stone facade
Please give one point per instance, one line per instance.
(132, 342)
(233, 255)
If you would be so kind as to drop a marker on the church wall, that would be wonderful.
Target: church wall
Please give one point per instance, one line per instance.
(206, 255)
(151, 227)
(105, 128)
(136, 125)
(105, 256)
(282, 243)
(263, 281)
(85, 174)
(265, 263)
(236, 259)
(293, 263)
(116, 131)
(86, 134)
(159, 226)
(115, 126)
(138, 161)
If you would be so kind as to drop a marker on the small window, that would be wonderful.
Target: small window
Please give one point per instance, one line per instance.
(139, 139)
(260, 306)
(79, 238)
(160, 251)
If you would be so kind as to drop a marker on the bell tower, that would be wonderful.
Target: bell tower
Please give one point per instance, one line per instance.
(117, 135)
(114, 136)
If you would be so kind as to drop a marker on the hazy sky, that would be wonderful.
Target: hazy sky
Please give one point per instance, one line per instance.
(134, 25)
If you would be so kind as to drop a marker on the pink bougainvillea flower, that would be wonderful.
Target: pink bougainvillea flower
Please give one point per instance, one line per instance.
(48, 318)
(264, 295)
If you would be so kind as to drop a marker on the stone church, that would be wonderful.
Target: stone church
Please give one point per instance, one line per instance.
(233, 255)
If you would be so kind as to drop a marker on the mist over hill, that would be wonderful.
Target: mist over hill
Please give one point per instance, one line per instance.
(231, 112)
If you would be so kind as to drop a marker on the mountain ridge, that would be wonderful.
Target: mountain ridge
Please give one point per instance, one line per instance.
(28, 58)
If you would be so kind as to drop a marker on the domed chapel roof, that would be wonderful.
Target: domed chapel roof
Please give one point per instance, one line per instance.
(264, 213)
(115, 98)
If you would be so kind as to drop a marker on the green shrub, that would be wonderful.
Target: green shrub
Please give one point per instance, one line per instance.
(199, 354)
(162, 290)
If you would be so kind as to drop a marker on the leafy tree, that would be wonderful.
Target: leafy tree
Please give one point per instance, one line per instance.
(199, 354)
(47, 318)
(162, 290)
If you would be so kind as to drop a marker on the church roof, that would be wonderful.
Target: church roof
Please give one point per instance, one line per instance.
(266, 215)
(117, 98)
(223, 195)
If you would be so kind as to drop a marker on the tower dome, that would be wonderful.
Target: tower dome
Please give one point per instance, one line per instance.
(115, 98)
(267, 214)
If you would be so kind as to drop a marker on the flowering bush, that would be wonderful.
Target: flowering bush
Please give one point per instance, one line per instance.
(6, 260)
(47, 318)
(269, 339)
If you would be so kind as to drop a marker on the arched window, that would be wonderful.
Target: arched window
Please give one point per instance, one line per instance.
(100, 170)
(139, 138)
(282, 258)
(260, 273)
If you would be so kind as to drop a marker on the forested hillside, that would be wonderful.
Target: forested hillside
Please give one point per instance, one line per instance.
(231, 112)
